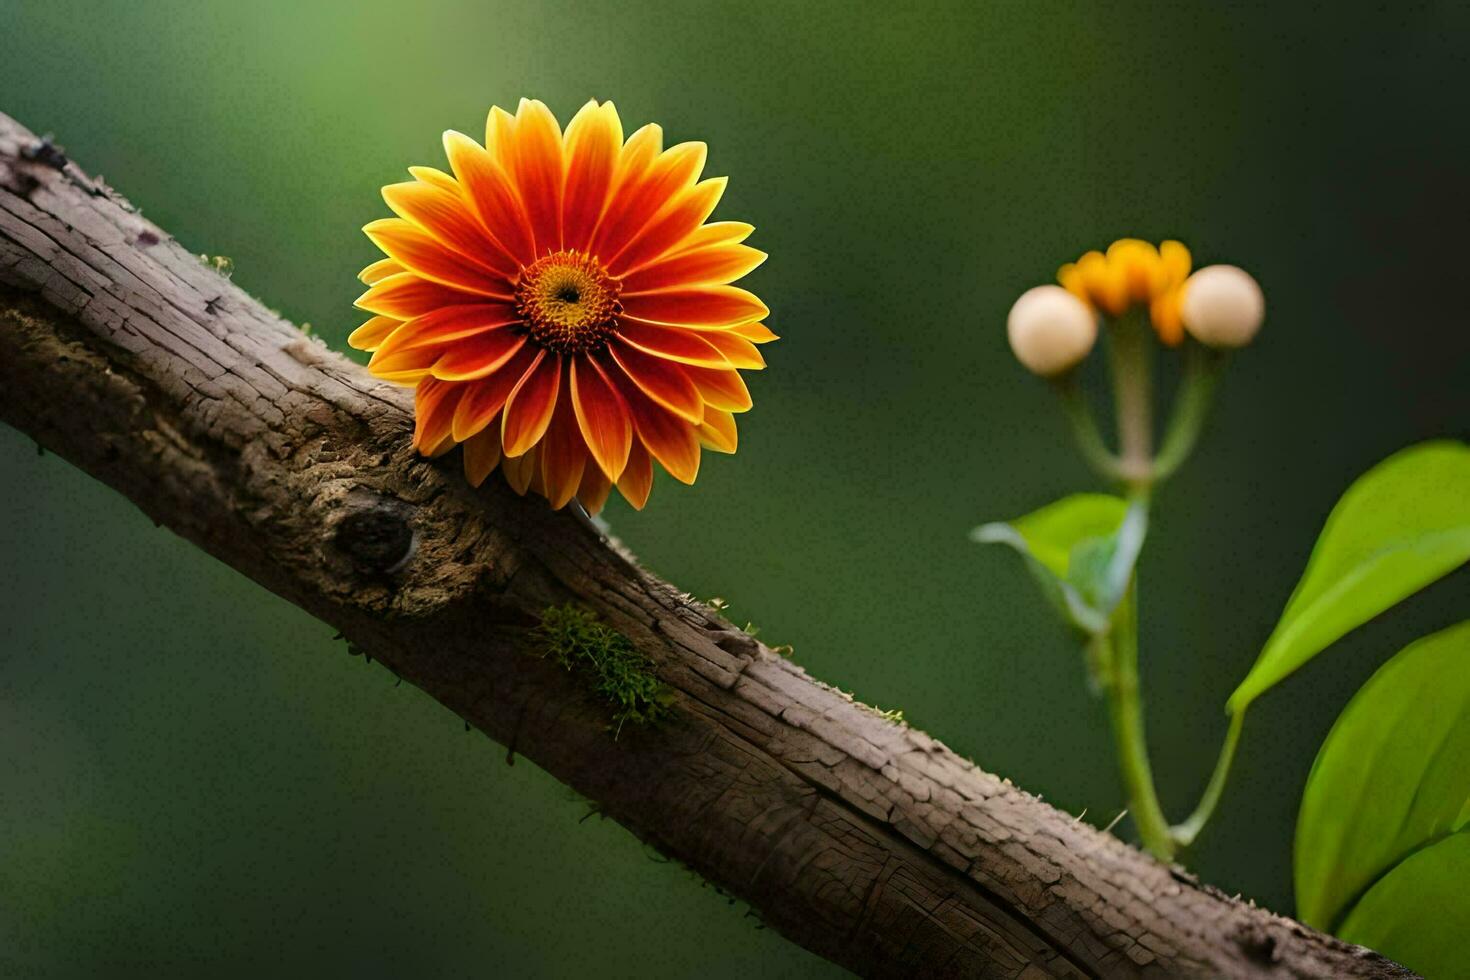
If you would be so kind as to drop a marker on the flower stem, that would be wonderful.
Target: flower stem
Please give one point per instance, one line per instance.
(1185, 833)
(1112, 653)
(1133, 398)
(1119, 650)
(1191, 406)
(1084, 428)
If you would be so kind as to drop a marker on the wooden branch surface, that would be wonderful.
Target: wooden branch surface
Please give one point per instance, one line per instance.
(868, 842)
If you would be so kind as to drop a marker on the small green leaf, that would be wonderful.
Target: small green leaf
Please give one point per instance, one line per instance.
(1392, 776)
(1087, 571)
(1050, 534)
(1066, 544)
(1102, 567)
(1400, 526)
(1418, 914)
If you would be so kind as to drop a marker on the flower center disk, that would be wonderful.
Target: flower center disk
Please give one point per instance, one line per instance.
(568, 302)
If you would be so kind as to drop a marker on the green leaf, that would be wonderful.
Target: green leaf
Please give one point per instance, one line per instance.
(1050, 534)
(1392, 776)
(1419, 913)
(1400, 526)
(1074, 548)
(1102, 567)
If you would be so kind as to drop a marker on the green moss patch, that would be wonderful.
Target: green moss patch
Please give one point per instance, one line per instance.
(615, 671)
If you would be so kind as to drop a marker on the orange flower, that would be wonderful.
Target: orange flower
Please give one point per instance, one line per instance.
(1133, 272)
(563, 307)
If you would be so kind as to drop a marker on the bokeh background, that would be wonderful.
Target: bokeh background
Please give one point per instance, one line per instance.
(195, 778)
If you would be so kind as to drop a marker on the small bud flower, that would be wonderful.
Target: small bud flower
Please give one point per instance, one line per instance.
(1222, 306)
(1132, 273)
(1051, 330)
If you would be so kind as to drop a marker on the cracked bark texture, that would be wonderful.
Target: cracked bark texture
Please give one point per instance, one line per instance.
(868, 842)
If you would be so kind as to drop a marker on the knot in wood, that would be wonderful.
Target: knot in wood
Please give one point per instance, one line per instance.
(1258, 944)
(377, 539)
(44, 152)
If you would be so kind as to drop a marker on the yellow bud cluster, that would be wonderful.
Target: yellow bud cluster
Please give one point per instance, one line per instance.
(1053, 328)
(1133, 272)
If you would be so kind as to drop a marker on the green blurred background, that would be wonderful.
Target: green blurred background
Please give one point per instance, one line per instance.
(194, 778)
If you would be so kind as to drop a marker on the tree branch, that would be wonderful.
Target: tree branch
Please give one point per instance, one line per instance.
(868, 842)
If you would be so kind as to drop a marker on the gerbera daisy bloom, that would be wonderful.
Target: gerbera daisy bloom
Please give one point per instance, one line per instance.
(563, 307)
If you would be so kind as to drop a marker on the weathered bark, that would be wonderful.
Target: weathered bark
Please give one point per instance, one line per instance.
(868, 842)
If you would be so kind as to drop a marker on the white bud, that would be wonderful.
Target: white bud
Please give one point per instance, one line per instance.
(1223, 306)
(1050, 330)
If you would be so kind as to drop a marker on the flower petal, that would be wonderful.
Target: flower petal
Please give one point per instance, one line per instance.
(371, 335)
(701, 306)
(593, 140)
(602, 416)
(1175, 260)
(486, 397)
(637, 478)
(670, 439)
(724, 390)
(715, 265)
(493, 194)
(405, 295)
(539, 170)
(671, 226)
(756, 333)
(661, 380)
(717, 432)
(481, 452)
(538, 484)
(636, 156)
(530, 404)
(715, 233)
(737, 350)
(1136, 263)
(450, 323)
(500, 129)
(434, 402)
(449, 218)
(521, 471)
(672, 343)
(629, 174)
(477, 357)
(639, 198)
(440, 448)
(1164, 311)
(423, 254)
(435, 176)
(381, 269)
(592, 494)
(404, 368)
(563, 456)
(1102, 281)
